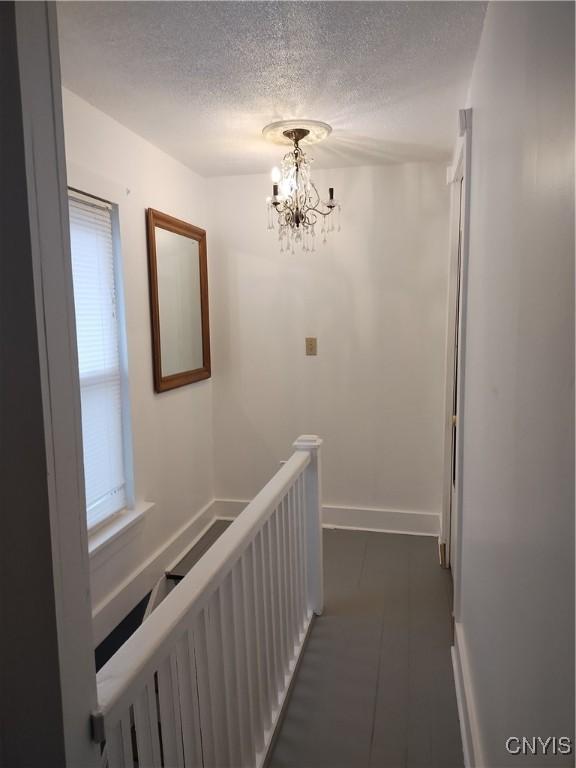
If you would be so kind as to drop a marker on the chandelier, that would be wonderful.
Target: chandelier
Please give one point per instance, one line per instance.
(295, 205)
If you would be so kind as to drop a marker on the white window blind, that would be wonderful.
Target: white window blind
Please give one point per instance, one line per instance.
(97, 330)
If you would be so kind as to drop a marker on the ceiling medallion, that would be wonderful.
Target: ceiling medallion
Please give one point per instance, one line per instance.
(295, 203)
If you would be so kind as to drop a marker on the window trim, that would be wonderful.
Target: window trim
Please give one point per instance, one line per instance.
(126, 410)
(107, 538)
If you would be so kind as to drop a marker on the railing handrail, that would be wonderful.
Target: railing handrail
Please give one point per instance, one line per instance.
(129, 665)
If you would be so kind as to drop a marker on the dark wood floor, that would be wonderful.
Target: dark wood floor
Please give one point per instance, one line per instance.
(375, 688)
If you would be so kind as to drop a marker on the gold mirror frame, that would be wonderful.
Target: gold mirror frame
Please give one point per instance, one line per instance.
(156, 219)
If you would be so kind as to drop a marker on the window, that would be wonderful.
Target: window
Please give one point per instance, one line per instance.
(101, 361)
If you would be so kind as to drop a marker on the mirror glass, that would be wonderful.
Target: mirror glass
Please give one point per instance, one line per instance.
(179, 299)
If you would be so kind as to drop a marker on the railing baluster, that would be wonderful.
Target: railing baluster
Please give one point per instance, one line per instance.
(209, 676)
(286, 549)
(223, 725)
(170, 714)
(286, 587)
(296, 563)
(275, 575)
(229, 662)
(299, 575)
(294, 634)
(144, 731)
(154, 723)
(285, 581)
(252, 639)
(115, 750)
(268, 590)
(179, 686)
(182, 671)
(127, 750)
(242, 666)
(302, 554)
(257, 643)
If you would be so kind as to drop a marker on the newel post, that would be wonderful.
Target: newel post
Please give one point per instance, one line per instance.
(313, 498)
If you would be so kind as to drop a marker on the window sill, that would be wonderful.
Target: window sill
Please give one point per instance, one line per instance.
(100, 539)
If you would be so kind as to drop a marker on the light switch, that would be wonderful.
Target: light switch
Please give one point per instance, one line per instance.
(311, 345)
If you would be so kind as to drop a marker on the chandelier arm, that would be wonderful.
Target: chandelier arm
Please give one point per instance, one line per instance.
(322, 213)
(318, 200)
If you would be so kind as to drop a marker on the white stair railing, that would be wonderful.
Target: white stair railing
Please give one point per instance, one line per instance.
(203, 680)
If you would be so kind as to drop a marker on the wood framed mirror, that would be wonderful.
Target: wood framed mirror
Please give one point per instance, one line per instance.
(178, 277)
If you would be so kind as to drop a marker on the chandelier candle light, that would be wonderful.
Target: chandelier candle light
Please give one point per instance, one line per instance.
(295, 203)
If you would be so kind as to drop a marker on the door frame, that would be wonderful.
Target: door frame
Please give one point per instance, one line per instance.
(48, 562)
(458, 178)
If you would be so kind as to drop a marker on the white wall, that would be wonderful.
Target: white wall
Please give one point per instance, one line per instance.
(172, 431)
(375, 297)
(518, 505)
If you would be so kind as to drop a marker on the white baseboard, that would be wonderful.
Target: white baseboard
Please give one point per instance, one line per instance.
(355, 518)
(110, 611)
(381, 520)
(471, 742)
(228, 509)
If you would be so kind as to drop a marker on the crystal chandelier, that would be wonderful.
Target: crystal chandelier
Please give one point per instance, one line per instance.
(295, 205)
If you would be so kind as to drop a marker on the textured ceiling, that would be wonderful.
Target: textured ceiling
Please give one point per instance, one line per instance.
(201, 79)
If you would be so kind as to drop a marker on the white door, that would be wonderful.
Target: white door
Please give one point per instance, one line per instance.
(456, 364)
(456, 385)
